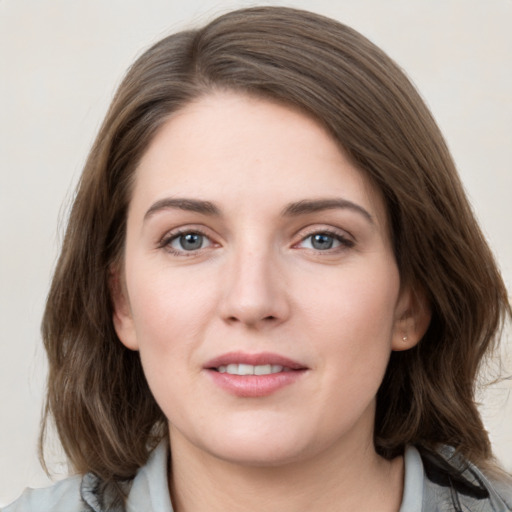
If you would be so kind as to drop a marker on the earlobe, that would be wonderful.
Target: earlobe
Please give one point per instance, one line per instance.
(122, 317)
(413, 316)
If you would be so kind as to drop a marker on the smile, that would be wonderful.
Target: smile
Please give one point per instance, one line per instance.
(254, 375)
(249, 369)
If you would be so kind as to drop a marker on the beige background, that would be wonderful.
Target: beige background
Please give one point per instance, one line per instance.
(60, 61)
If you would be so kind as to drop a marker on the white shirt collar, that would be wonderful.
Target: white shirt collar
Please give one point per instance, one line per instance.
(150, 488)
(413, 481)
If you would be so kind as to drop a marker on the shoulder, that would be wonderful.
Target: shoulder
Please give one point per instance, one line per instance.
(63, 495)
(501, 485)
(87, 493)
(453, 483)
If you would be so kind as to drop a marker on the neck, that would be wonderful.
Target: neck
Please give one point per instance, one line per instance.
(353, 478)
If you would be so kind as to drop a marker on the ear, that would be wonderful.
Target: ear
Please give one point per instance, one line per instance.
(122, 317)
(412, 318)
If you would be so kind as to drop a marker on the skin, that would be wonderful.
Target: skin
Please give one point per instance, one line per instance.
(259, 282)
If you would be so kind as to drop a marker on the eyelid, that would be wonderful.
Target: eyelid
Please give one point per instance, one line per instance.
(346, 239)
(165, 241)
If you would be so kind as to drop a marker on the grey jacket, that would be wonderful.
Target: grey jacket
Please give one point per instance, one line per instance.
(451, 484)
(437, 482)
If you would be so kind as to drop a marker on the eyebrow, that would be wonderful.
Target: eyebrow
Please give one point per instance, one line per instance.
(317, 205)
(292, 210)
(190, 205)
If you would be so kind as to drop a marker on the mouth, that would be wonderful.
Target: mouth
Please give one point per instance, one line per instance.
(254, 375)
(250, 369)
(264, 363)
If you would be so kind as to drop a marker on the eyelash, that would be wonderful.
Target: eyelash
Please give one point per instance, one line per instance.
(166, 241)
(344, 241)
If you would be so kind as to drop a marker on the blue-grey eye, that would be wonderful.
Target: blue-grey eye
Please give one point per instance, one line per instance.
(322, 241)
(189, 242)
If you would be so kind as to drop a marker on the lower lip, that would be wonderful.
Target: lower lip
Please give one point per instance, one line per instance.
(253, 386)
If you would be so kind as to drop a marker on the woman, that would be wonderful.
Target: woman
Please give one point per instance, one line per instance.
(272, 291)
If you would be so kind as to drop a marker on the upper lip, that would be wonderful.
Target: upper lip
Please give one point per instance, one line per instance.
(262, 358)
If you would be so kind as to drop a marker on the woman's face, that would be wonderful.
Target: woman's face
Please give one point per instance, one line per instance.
(259, 284)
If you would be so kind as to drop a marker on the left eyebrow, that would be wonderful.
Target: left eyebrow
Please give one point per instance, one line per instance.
(316, 205)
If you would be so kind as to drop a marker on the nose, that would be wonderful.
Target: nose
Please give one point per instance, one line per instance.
(254, 291)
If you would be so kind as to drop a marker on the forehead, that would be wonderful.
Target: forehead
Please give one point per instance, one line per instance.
(227, 143)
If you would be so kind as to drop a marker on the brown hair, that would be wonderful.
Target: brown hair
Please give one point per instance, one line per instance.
(104, 412)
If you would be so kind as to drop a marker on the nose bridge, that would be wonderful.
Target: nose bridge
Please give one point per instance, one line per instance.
(254, 290)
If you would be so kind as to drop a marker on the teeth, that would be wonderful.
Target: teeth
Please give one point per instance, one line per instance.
(263, 369)
(244, 369)
(249, 369)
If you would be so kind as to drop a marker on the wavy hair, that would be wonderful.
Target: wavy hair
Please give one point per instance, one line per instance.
(98, 397)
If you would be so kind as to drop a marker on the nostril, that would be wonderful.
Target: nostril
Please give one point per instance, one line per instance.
(235, 319)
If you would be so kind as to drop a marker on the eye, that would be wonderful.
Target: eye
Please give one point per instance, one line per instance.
(187, 242)
(324, 241)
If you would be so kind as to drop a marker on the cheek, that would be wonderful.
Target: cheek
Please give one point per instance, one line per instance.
(353, 318)
(359, 299)
(354, 333)
(168, 306)
(169, 317)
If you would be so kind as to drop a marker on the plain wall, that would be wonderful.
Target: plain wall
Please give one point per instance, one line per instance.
(60, 62)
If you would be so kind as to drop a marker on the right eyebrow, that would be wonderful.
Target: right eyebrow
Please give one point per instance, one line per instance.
(190, 205)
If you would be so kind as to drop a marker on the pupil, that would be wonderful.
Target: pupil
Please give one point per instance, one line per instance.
(191, 241)
(321, 241)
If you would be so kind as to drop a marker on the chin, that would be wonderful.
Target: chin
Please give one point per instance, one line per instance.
(261, 455)
(269, 447)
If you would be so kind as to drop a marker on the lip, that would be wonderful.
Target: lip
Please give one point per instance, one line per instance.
(253, 359)
(253, 386)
